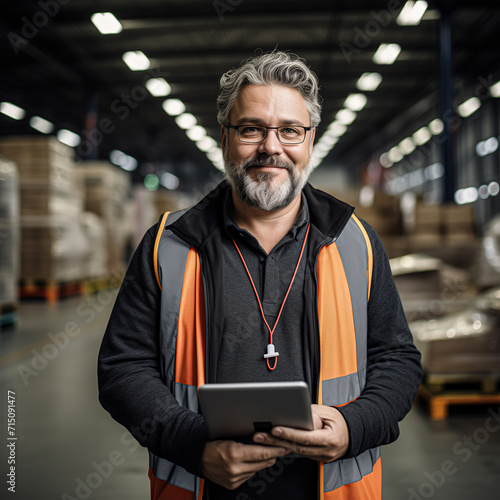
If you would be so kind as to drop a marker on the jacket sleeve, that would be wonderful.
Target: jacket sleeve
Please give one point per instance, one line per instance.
(131, 388)
(393, 363)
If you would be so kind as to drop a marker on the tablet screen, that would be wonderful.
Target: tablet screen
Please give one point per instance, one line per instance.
(241, 409)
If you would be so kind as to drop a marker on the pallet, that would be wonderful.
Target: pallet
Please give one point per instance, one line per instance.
(468, 390)
(8, 315)
(50, 290)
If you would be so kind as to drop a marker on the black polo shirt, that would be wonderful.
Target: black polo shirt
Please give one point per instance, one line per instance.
(245, 338)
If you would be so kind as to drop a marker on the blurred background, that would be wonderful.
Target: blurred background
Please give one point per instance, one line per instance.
(108, 119)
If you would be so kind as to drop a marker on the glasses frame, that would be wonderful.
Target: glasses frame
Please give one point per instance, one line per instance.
(237, 127)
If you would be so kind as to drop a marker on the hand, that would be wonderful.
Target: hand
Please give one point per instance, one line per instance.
(327, 442)
(230, 464)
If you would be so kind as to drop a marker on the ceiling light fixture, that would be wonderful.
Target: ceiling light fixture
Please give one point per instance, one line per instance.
(336, 129)
(355, 102)
(186, 120)
(387, 53)
(421, 136)
(412, 13)
(407, 146)
(468, 107)
(436, 126)
(206, 144)
(495, 89)
(11, 110)
(196, 133)
(173, 107)
(136, 60)
(106, 23)
(69, 138)
(369, 81)
(384, 160)
(43, 126)
(345, 116)
(158, 87)
(394, 155)
(123, 160)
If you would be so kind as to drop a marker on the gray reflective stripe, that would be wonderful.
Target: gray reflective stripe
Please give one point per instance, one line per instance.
(186, 395)
(173, 216)
(354, 254)
(350, 470)
(172, 257)
(338, 391)
(173, 474)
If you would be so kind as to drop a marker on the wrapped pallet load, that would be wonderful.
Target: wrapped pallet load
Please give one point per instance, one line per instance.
(106, 191)
(9, 239)
(54, 246)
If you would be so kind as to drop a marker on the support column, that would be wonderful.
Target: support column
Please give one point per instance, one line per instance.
(446, 61)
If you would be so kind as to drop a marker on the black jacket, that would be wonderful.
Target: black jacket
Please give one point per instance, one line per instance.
(130, 383)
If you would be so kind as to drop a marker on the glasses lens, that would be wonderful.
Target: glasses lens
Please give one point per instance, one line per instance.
(291, 135)
(250, 133)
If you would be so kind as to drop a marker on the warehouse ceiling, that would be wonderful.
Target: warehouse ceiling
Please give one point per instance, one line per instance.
(56, 64)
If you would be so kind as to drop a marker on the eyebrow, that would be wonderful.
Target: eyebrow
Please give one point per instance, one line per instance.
(247, 119)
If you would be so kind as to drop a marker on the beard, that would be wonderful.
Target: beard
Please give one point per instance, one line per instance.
(264, 193)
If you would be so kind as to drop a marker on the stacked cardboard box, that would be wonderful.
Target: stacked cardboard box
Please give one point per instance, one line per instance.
(425, 232)
(458, 224)
(382, 212)
(9, 232)
(434, 227)
(54, 246)
(106, 189)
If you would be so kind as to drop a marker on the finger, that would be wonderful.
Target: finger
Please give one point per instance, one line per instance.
(320, 452)
(305, 438)
(257, 453)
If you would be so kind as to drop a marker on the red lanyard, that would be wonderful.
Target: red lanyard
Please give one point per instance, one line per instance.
(270, 347)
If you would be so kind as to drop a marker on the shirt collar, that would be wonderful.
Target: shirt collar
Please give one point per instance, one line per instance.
(232, 228)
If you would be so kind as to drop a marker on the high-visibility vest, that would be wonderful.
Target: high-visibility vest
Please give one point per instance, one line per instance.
(343, 275)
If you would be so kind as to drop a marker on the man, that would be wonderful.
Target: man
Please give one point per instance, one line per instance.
(264, 264)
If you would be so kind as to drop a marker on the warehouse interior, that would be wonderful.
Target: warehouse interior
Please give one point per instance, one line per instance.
(108, 120)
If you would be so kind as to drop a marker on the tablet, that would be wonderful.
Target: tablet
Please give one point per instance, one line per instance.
(239, 410)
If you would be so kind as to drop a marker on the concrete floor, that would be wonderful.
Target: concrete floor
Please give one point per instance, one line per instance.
(69, 448)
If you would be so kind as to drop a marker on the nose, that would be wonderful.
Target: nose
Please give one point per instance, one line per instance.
(271, 145)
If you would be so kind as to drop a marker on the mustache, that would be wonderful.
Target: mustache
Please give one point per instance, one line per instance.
(267, 161)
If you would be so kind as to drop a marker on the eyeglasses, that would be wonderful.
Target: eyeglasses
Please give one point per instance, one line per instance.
(253, 134)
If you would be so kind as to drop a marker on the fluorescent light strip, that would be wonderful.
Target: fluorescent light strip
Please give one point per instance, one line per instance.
(136, 61)
(12, 111)
(469, 107)
(369, 81)
(495, 89)
(412, 13)
(345, 116)
(186, 120)
(123, 160)
(106, 23)
(355, 102)
(387, 53)
(69, 138)
(158, 87)
(174, 107)
(43, 126)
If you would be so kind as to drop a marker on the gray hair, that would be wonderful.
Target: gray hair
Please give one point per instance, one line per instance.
(274, 68)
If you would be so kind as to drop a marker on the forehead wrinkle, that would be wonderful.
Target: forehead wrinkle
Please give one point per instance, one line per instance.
(271, 104)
